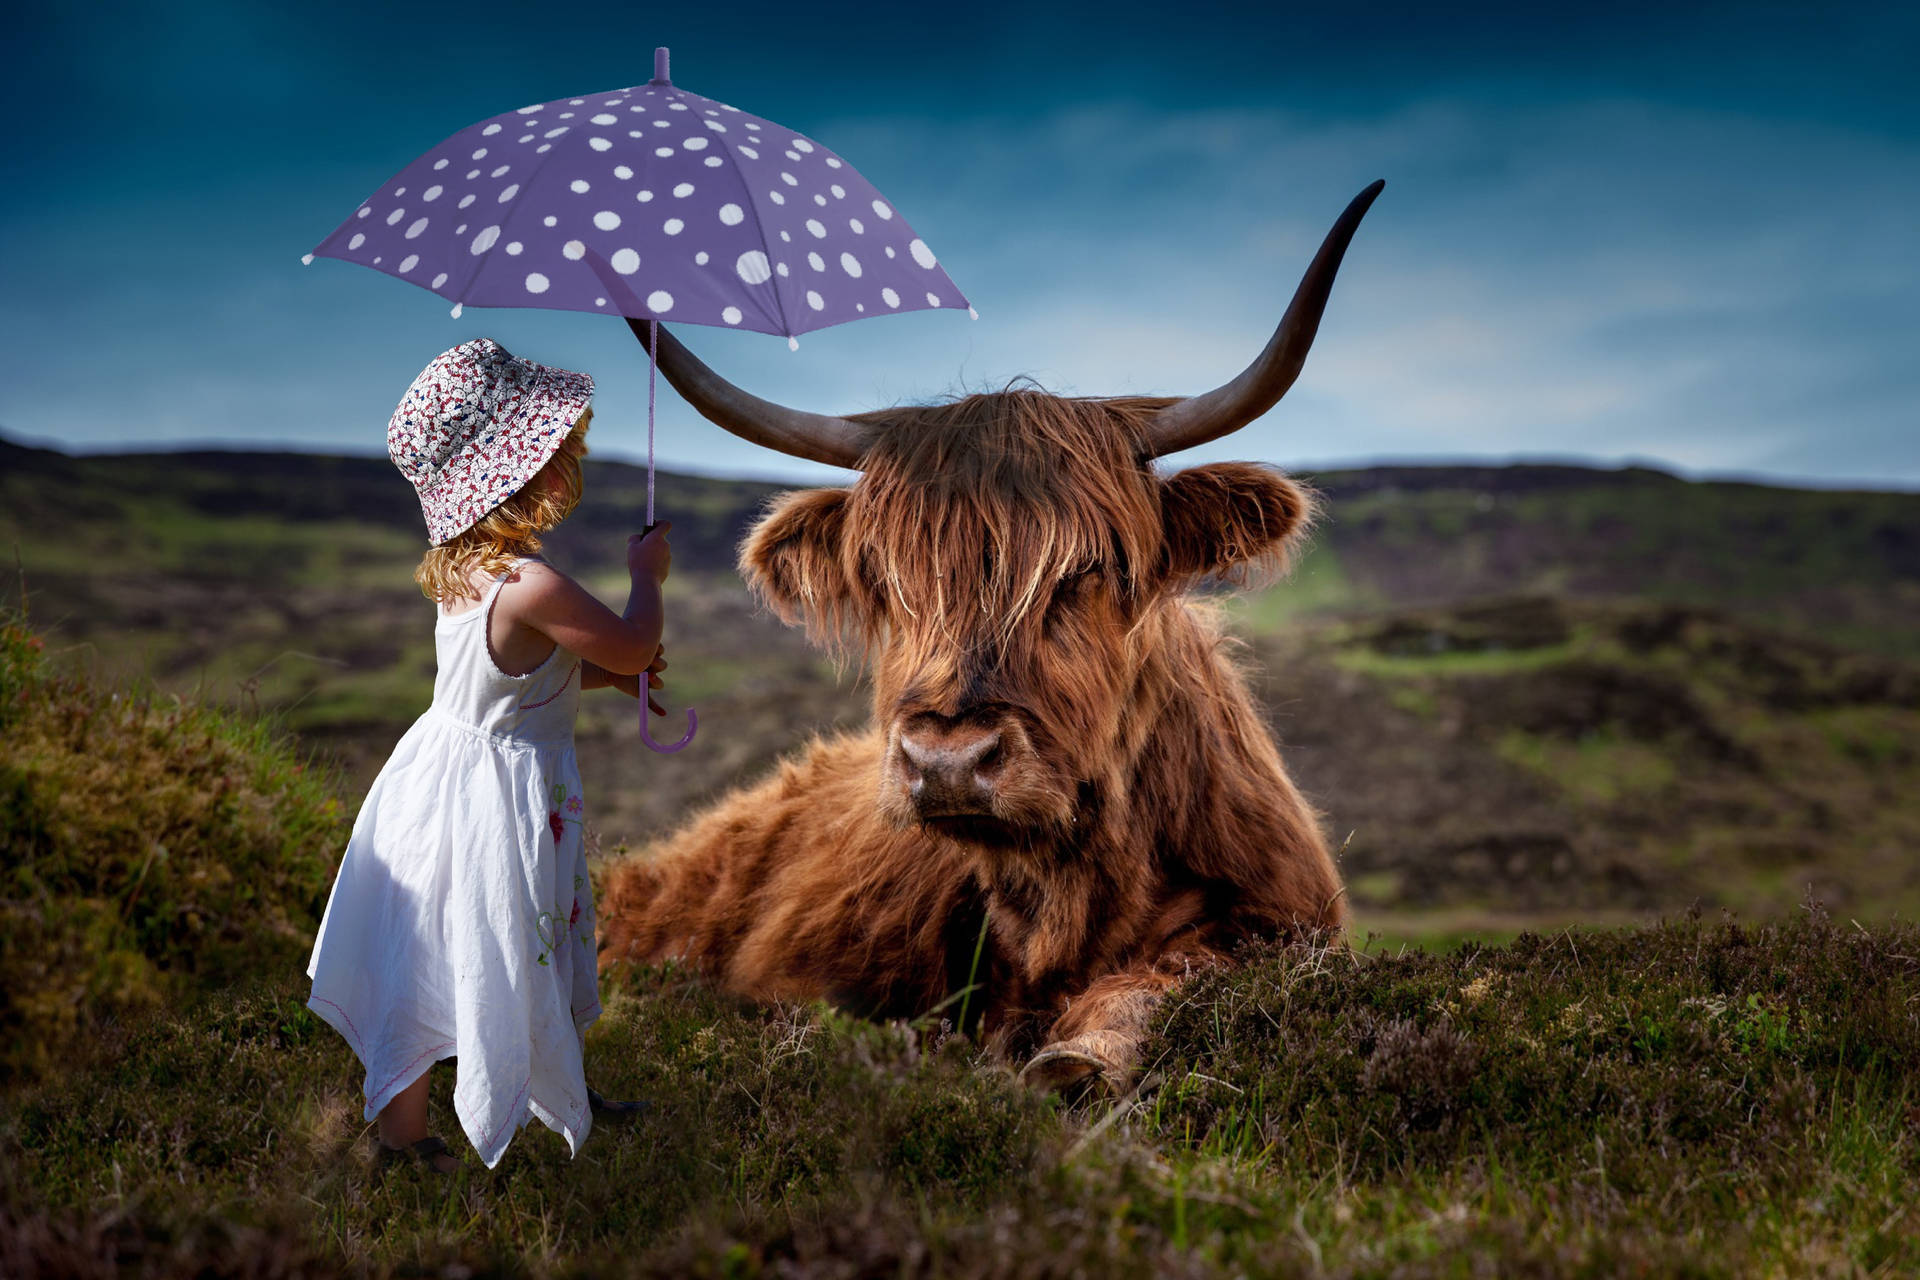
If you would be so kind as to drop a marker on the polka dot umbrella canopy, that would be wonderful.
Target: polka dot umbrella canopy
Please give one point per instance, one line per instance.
(650, 203)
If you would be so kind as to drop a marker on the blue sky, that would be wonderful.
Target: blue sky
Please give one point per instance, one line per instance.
(1672, 233)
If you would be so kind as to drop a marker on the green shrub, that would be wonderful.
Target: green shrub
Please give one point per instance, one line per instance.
(152, 846)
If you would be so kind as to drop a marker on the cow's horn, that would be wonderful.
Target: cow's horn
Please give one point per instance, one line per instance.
(1201, 418)
(817, 436)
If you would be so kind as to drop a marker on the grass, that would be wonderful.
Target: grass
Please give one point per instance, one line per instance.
(1695, 1097)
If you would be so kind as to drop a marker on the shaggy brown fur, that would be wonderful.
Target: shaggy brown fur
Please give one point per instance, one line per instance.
(1016, 573)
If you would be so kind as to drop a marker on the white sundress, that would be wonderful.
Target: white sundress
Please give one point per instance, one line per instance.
(461, 923)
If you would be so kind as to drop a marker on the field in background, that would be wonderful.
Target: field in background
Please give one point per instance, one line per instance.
(1534, 696)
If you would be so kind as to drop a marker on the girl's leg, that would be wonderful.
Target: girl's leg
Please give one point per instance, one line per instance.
(403, 1122)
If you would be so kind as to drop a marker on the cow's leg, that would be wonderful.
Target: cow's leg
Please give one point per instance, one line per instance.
(1098, 1038)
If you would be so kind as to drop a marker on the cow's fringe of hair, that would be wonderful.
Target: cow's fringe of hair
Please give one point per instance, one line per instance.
(956, 485)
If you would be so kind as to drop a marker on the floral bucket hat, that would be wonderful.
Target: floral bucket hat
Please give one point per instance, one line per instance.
(475, 426)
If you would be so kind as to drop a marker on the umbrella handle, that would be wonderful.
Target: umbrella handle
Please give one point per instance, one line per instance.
(693, 722)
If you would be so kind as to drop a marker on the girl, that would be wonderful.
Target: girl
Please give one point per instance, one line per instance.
(461, 923)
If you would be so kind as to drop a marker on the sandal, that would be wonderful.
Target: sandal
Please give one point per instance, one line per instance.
(426, 1152)
(615, 1110)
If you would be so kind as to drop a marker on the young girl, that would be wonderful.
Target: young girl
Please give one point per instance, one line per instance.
(462, 920)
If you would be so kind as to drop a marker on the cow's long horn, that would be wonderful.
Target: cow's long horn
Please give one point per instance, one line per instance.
(1259, 387)
(817, 436)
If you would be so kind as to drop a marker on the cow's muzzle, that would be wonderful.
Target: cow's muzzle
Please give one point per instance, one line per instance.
(949, 770)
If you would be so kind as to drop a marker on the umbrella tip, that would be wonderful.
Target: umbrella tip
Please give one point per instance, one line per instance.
(306, 259)
(458, 307)
(973, 313)
(660, 66)
(793, 344)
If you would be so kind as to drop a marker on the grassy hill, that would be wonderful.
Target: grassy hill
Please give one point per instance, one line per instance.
(1533, 694)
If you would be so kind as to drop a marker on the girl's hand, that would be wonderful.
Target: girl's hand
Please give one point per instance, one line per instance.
(654, 681)
(649, 555)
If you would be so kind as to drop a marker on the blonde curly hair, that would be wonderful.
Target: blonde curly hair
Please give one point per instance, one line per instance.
(510, 530)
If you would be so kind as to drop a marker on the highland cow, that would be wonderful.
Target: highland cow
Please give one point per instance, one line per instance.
(1067, 799)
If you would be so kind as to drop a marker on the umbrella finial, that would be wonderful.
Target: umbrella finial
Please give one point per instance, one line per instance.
(660, 66)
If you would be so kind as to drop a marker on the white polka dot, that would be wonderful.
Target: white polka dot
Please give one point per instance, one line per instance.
(819, 231)
(573, 250)
(776, 197)
(695, 143)
(933, 299)
(881, 210)
(409, 262)
(731, 315)
(440, 164)
(580, 186)
(466, 200)
(673, 226)
(890, 252)
(752, 267)
(394, 217)
(431, 194)
(524, 139)
(793, 155)
(625, 261)
(543, 148)
(534, 110)
(490, 130)
(750, 124)
(683, 190)
(460, 230)
(599, 302)
(781, 267)
(513, 189)
(600, 144)
(501, 172)
(700, 258)
(839, 192)
(659, 300)
(921, 254)
(815, 301)
(858, 228)
(676, 106)
(472, 174)
(357, 241)
(713, 162)
(749, 153)
(554, 133)
(621, 172)
(550, 221)
(364, 211)
(643, 195)
(606, 220)
(859, 306)
(801, 144)
(731, 214)
(789, 179)
(484, 241)
(514, 248)
(891, 298)
(817, 262)
(850, 265)
(376, 261)
(832, 163)
(536, 283)
(419, 225)
(480, 153)
(787, 236)
(439, 279)
(714, 125)
(820, 200)
(606, 118)
(458, 307)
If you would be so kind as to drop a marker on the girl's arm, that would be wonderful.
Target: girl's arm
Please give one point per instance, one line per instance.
(559, 608)
(593, 676)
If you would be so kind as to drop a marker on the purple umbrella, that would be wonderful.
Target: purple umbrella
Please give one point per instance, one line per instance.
(650, 203)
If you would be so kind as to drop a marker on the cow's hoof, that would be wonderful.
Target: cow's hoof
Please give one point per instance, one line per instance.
(1059, 1069)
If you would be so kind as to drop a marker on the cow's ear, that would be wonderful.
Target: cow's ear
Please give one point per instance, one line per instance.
(1232, 519)
(791, 559)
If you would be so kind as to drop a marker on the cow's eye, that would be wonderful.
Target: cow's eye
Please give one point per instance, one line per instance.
(1076, 586)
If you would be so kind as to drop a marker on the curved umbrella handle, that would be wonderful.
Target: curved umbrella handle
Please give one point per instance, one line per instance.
(693, 722)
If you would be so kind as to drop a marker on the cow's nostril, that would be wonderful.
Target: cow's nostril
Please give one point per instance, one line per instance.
(988, 762)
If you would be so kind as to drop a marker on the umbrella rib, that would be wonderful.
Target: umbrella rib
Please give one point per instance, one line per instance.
(513, 209)
(760, 230)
